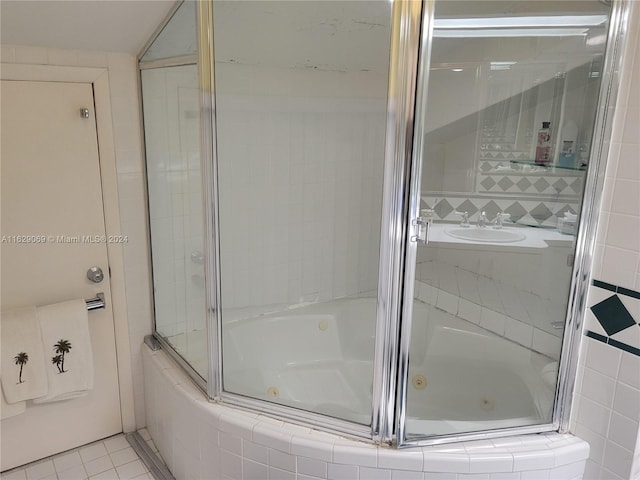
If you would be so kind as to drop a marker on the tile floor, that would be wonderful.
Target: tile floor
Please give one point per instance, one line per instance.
(108, 459)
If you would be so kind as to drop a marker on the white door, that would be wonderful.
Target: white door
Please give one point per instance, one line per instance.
(51, 192)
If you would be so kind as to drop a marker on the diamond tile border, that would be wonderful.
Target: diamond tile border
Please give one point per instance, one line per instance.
(613, 343)
(634, 350)
(525, 211)
(613, 315)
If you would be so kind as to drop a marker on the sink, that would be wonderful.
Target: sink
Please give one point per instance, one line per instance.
(488, 234)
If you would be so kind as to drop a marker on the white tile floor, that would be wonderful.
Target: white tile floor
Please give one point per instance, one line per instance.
(109, 459)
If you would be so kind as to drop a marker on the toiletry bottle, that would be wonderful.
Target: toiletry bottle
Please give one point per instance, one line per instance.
(567, 157)
(543, 149)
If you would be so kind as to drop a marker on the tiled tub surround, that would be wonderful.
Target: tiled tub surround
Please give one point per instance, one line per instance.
(199, 439)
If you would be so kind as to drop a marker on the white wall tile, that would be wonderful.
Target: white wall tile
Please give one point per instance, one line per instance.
(281, 474)
(255, 452)
(374, 473)
(594, 416)
(623, 430)
(630, 370)
(519, 332)
(492, 462)
(342, 472)
(254, 470)
(598, 387)
(624, 231)
(314, 468)
(439, 462)
(364, 455)
(596, 442)
(231, 466)
(603, 358)
(572, 471)
(440, 476)
(627, 401)
(492, 321)
(628, 166)
(546, 343)
(470, 311)
(618, 459)
(282, 461)
(406, 475)
(619, 266)
(409, 459)
(230, 442)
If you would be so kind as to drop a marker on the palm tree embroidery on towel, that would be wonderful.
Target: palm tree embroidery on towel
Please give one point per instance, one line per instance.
(21, 359)
(62, 347)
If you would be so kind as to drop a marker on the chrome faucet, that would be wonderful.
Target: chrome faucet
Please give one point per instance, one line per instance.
(464, 222)
(482, 219)
(497, 222)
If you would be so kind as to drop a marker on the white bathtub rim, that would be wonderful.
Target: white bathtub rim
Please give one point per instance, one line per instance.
(511, 454)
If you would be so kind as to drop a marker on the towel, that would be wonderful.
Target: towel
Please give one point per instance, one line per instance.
(22, 368)
(10, 409)
(67, 345)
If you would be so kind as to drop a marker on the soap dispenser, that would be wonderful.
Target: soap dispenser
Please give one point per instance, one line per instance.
(543, 149)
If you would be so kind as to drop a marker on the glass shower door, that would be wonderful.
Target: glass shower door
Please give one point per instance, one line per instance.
(300, 121)
(505, 117)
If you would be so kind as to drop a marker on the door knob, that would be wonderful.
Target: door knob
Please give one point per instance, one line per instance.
(95, 274)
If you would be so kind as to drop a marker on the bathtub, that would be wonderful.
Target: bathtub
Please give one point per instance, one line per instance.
(319, 358)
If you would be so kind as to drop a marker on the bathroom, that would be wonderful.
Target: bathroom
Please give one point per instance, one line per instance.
(314, 250)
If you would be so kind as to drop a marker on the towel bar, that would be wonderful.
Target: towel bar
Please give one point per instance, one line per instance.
(95, 303)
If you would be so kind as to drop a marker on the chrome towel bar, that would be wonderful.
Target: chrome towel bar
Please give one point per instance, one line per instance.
(95, 303)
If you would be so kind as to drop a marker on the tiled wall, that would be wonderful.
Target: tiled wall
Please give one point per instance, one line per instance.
(300, 186)
(122, 70)
(172, 125)
(606, 412)
(529, 210)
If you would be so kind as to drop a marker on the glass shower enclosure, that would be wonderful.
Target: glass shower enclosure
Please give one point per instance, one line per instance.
(376, 218)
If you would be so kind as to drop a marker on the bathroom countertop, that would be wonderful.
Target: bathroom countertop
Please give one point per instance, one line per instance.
(535, 237)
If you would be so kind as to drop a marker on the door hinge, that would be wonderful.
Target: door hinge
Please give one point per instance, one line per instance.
(421, 229)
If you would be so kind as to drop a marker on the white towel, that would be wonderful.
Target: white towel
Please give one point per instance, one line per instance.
(10, 409)
(23, 369)
(67, 346)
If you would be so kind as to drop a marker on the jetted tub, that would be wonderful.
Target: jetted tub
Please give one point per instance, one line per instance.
(319, 358)
(327, 369)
